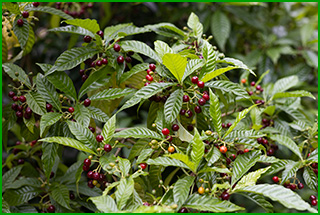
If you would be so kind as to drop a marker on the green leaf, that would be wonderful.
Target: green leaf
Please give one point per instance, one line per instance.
(134, 70)
(89, 24)
(290, 170)
(298, 125)
(259, 200)
(215, 112)
(139, 47)
(29, 45)
(128, 30)
(176, 65)
(240, 116)
(269, 110)
(105, 204)
(137, 148)
(276, 167)
(63, 82)
(185, 159)
(244, 134)
(22, 32)
(285, 196)
(313, 156)
(98, 114)
(4, 49)
(310, 178)
(66, 141)
(181, 190)
(284, 84)
(220, 28)
(124, 191)
(173, 105)
(294, 113)
(214, 169)
(183, 134)
(228, 86)
(143, 155)
(138, 132)
(112, 93)
(167, 29)
(152, 209)
(211, 56)
(208, 203)
(162, 48)
(82, 115)
(109, 129)
(124, 166)
(74, 30)
(213, 156)
(166, 161)
(11, 69)
(236, 62)
(13, 7)
(83, 134)
(36, 103)
(23, 181)
(216, 73)
(48, 91)
(21, 195)
(10, 176)
(72, 58)
(49, 154)
(110, 187)
(286, 141)
(50, 10)
(197, 151)
(243, 163)
(250, 179)
(30, 123)
(192, 66)
(195, 25)
(298, 93)
(60, 194)
(48, 119)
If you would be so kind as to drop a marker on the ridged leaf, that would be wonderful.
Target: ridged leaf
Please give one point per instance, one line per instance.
(236, 62)
(197, 151)
(10, 176)
(208, 203)
(98, 114)
(297, 93)
(105, 204)
(36, 103)
(162, 48)
(284, 84)
(310, 178)
(215, 112)
(48, 119)
(21, 195)
(23, 181)
(11, 69)
(82, 115)
(4, 49)
(211, 57)
(276, 167)
(294, 113)
(195, 25)
(49, 153)
(286, 141)
(63, 82)
(66, 141)
(216, 73)
(244, 134)
(220, 28)
(166, 161)
(60, 194)
(215, 169)
(313, 156)
(83, 134)
(213, 156)
(167, 29)
(241, 115)
(183, 134)
(181, 190)
(153, 209)
(74, 30)
(138, 132)
(50, 10)
(124, 191)
(30, 42)
(48, 91)
(289, 170)
(124, 165)
(192, 66)
(13, 7)
(22, 32)
(109, 129)
(185, 159)
(139, 47)
(243, 163)
(259, 200)
(173, 105)
(89, 24)
(228, 86)
(134, 70)
(144, 154)
(128, 30)
(112, 93)
(285, 196)
(30, 123)
(250, 179)
(176, 65)
(298, 125)
(72, 58)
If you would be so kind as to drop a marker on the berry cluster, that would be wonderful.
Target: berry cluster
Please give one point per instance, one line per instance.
(254, 90)
(95, 178)
(20, 106)
(74, 9)
(150, 72)
(271, 148)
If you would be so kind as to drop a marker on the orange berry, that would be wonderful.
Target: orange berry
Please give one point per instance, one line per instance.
(243, 80)
(223, 149)
(201, 190)
(171, 149)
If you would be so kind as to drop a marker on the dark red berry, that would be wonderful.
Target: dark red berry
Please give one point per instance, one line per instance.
(20, 161)
(202, 101)
(15, 151)
(175, 127)
(233, 156)
(71, 109)
(197, 109)
(223, 125)
(14, 106)
(72, 196)
(84, 78)
(128, 59)
(200, 84)
(169, 138)
(270, 152)
(314, 202)
(143, 165)
(185, 98)
(19, 114)
(206, 97)
(11, 94)
(51, 174)
(130, 53)
(300, 186)
(120, 59)
(293, 186)
(260, 140)
(183, 210)
(152, 66)
(20, 108)
(165, 131)
(258, 87)
(265, 141)
(90, 184)
(49, 107)
(314, 165)
(275, 179)
(100, 33)
(104, 61)
(85, 168)
(87, 39)
(25, 14)
(20, 22)
(253, 83)
(95, 175)
(99, 138)
(92, 129)
(93, 64)
(15, 98)
(190, 127)
(90, 5)
(87, 162)
(228, 161)
(250, 93)
(22, 99)
(225, 196)
(86, 102)
(90, 174)
(33, 143)
(116, 47)
(194, 79)
(240, 152)
(51, 208)
(102, 177)
(35, 4)
(182, 112)
(146, 204)
(99, 63)
(313, 197)
(28, 110)
(146, 84)
(229, 124)
(107, 147)
(26, 116)
(190, 114)
(315, 171)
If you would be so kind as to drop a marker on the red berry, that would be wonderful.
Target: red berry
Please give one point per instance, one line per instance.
(197, 109)
(190, 127)
(95, 175)
(15, 98)
(148, 71)
(265, 141)
(183, 210)
(202, 101)
(116, 47)
(185, 98)
(85, 168)
(14, 106)
(243, 80)
(258, 87)
(20, 22)
(22, 99)
(233, 156)
(240, 152)
(314, 202)
(225, 196)
(27, 116)
(51, 174)
(18, 143)
(143, 165)
(35, 4)
(165, 131)
(102, 177)
(87, 39)
(260, 140)
(28, 111)
(19, 114)
(51, 208)
(190, 114)
(300, 186)
(120, 59)
(314, 165)
(49, 107)
(246, 150)
(90, 174)
(250, 93)
(87, 162)
(146, 204)
(99, 63)
(84, 78)
(313, 197)
(315, 171)
(270, 152)
(128, 59)
(107, 147)
(200, 84)
(100, 33)
(90, 184)
(194, 79)
(71, 109)
(104, 61)
(99, 138)
(152, 67)
(146, 84)
(87, 102)
(223, 149)
(71, 196)
(228, 161)
(206, 97)
(25, 14)
(20, 108)
(229, 124)
(149, 77)
(182, 112)
(223, 125)
(169, 138)
(175, 127)
(275, 179)
(92, 129)
(11, 94)
(253, 83)
(20, 161)
(293, 186)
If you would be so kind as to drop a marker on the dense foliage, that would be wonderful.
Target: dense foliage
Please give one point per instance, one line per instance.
(218, 129)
